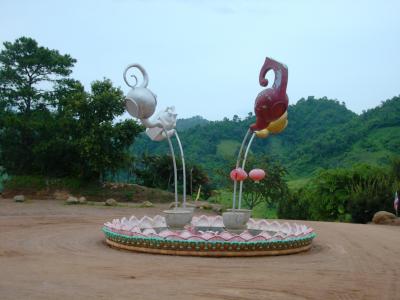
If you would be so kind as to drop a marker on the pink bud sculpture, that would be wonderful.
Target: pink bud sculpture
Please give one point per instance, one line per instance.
(238, 174)
(257, 175)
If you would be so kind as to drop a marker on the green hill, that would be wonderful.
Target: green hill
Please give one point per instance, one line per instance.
(183, 124)
(322, 133)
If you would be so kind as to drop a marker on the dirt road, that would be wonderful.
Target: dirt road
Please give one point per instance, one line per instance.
(52, 251)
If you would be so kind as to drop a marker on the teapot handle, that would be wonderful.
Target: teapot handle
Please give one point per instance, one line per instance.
(281, 75)
(144, 73)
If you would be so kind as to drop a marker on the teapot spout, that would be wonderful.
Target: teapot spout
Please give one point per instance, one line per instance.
(150, 124)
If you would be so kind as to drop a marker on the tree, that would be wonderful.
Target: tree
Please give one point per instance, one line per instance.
(249, 116)
(99, 143)
(271, 189)
(31, 78)
(157, 171)
(50, 125)
(395, 172)
(26, 69)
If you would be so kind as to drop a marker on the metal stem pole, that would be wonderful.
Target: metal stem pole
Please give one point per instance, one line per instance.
(243, 165)
(184, 169)
(191, 183)
(174, 163)
(237, 165)
(234, 195)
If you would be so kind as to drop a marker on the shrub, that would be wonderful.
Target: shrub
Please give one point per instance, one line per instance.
(295, 206)
(342, 195)
(369, 192)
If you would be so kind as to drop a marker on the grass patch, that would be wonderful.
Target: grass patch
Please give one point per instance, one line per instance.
(21, 182)
(101, 204)
(296, 184)
(39, 182)
(39, 187)
(227, 148)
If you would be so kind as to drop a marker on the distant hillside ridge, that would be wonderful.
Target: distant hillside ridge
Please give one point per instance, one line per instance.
(188, 123)
(322, 133)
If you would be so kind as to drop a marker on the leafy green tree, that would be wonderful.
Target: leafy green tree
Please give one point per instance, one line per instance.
(271, 189)
(102, 145)
(31, 76)
(49, 125)
(157, 171)
(236, 118)
(3, 177)
(395, 172)
(30, 79)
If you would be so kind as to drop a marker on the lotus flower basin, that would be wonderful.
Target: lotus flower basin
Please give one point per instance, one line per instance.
(236, 219)
(179, 217)
(206, 236)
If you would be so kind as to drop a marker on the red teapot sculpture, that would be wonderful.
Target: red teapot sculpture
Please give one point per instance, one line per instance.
(271, 103)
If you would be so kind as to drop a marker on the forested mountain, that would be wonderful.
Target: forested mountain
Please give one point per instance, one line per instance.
(322, 133)
(183, 124)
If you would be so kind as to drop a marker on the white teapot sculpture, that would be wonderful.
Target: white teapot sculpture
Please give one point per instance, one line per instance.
(141, 103)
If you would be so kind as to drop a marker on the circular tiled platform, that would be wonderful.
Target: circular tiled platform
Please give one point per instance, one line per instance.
(206, 236)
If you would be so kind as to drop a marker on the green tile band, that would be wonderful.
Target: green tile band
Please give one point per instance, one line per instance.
(208, 246)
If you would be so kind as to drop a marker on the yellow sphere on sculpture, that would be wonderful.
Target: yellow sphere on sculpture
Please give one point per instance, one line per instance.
(262, 134)
(278, 125)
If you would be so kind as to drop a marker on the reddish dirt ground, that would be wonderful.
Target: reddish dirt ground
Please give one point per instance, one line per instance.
(52, 251)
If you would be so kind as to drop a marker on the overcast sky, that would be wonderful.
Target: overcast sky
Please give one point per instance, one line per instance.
(204, 56)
